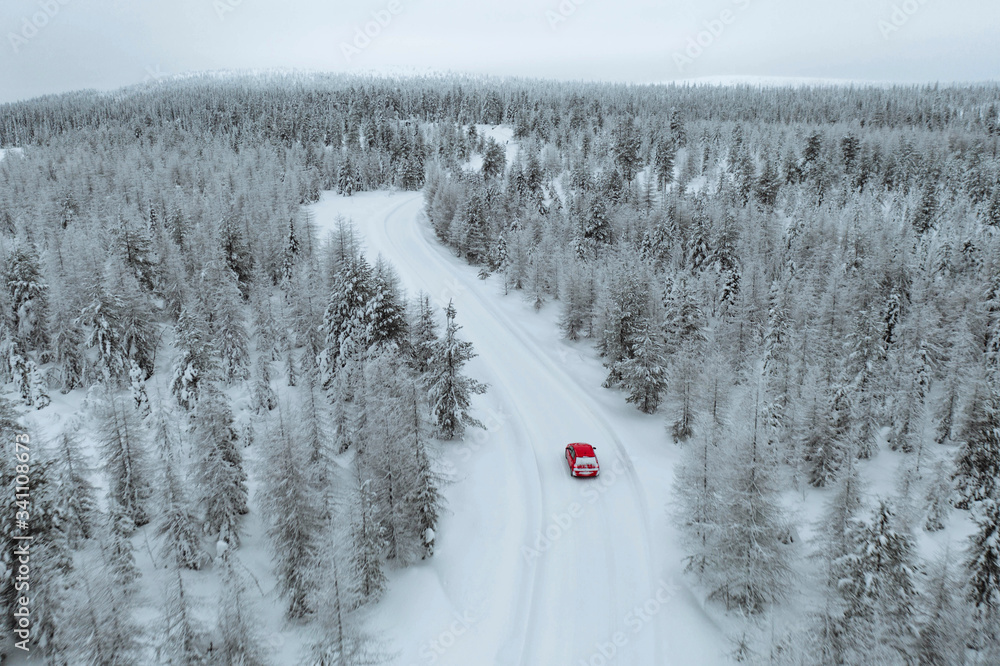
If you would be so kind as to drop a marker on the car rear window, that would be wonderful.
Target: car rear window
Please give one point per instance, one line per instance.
(586, 462)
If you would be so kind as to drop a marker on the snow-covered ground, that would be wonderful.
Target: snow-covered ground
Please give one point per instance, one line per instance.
(12, 151)
(533, 566)
(503, 135)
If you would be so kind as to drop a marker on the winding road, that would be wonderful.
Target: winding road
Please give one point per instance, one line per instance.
(558, 570)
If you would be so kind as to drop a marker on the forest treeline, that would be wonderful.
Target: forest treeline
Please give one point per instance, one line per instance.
(794, 277)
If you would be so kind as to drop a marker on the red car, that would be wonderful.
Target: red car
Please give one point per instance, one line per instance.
(582, 459)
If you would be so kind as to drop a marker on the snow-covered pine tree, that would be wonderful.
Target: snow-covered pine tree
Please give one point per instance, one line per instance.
(386, 433)
(879, 585)
(866, 355)
(345, 318)
(118, 324)
(67, 340)
(176, 525)
(316, 425)
(684, 325)
(822, 427)
(977, 467)
(262, 396)
(622, 312)
(494, 160)
(221, 480)
(982, 566)
(913, 377)
(346, 176)
(943, 623)
(28, 381)
(385, 310)
(342, 392)
(236, 250)
(118, 551)
(666, 151)
(625, 148)
(423, 333)
(644, 376)
(266, 332)
(181, 640)
(137, 388)
(577, 295)
(103, 630)
(777, 365)
(306, 316)
(368, 539)
(290, 255)
(425, 501)
(340, 640)
(133, 246)
(751, 561)
(135, 317)
(238, 624)
(195, 364)
(222, 300)
(377, 417)
(77, 502)
(697, 492)
(292, 510)
(291, 368)
(27, 297)
(938, 496)
(121, 436)
(449, 391)
(48, 554)
(834, 530)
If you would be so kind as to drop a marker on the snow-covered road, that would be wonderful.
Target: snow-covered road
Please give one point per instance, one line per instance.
(533, 566)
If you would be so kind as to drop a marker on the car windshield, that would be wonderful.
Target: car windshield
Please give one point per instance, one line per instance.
(583, 461)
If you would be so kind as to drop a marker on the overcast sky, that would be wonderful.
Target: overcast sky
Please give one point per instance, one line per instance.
(51, 46)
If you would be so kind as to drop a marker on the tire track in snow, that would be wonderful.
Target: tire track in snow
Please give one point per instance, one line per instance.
(514, 647)
(434, 251)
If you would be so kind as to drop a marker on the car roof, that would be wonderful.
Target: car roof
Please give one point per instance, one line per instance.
(583, 449)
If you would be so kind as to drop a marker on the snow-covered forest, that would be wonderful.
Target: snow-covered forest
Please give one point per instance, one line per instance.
(800, 285)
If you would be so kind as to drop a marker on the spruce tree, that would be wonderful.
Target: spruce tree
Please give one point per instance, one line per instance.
(103, 629)
(698, 487)
(644, 376)
(262, 396)
(238, 619)
(449, 391)
(423, 334)
(346, 317)
(983, 558)
(195, 364)
(118, 551)
(27, 297)
(685, 339)
(938, 497)
(77, 499)
(385, 310)
(751, 557)
(879, 586)
(227, 328)
(943, 624)
(177, 523)
(293, 515)
(182, 640)
(126, 461)
(339, 639)
(977, 467)
(221, 480)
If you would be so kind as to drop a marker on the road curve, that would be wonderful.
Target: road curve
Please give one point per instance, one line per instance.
(586, 560)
